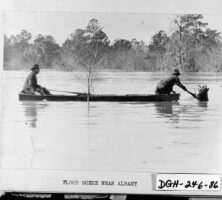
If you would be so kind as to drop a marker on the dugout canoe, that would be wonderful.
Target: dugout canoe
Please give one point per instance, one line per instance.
(105, 97)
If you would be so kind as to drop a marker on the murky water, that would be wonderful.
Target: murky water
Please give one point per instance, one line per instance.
(183, 136)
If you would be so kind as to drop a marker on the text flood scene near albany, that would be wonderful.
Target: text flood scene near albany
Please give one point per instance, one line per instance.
(112, 92)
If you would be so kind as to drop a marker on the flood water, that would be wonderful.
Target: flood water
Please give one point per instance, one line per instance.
(183, 136)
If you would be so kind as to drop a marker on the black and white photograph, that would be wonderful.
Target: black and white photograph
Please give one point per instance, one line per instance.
(112, 102)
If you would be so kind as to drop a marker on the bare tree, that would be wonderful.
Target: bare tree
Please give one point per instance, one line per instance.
(92, 45)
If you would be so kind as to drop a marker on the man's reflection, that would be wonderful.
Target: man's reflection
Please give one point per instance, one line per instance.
(166, 109)
(174, 110)
(31, 112)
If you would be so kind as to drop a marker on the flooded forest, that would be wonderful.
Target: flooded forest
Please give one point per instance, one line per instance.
(191, 46)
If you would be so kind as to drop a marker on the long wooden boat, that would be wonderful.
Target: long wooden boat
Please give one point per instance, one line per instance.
(105, 97)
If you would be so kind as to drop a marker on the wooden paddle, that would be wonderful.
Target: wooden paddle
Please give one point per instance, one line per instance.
(80, 93)
(194, 95)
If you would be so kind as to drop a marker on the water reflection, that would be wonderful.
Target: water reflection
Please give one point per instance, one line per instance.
(203, 104)
(182, 114)
(31, 112)
(31, 109)
(166, 110)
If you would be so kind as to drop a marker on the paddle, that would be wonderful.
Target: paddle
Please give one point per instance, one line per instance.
(194, 95)
(80, 93)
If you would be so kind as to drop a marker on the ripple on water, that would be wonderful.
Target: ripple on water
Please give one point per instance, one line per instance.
(112, 135)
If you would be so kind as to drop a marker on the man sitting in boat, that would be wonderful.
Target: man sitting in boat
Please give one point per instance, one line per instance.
(31, 86)
(166, 86)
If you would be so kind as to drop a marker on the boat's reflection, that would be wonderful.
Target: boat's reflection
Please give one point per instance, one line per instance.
(31, 109)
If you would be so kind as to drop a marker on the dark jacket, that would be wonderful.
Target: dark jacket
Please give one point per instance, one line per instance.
(30, 84)
(166, 86)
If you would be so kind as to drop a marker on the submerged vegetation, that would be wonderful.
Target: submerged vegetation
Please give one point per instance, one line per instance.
(192, 47)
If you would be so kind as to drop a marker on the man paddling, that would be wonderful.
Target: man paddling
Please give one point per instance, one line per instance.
(166, 86)
(31, 86)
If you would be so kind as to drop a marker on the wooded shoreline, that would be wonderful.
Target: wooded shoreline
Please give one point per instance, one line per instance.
(191, 47)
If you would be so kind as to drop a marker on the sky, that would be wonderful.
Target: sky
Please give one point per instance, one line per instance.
(116, 25)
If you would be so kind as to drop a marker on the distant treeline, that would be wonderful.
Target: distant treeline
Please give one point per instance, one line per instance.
(192, 46)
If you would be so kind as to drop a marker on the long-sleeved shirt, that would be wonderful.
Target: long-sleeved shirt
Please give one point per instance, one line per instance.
(31, 83)
(166, 86)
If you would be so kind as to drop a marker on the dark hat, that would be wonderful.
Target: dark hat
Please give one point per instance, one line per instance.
(35, 66)
(176, 72)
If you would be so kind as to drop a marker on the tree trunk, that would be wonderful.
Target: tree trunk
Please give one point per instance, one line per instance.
(89, 84)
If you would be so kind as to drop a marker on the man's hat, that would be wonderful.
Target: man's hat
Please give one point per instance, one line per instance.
(176, 72)
(35, 66)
